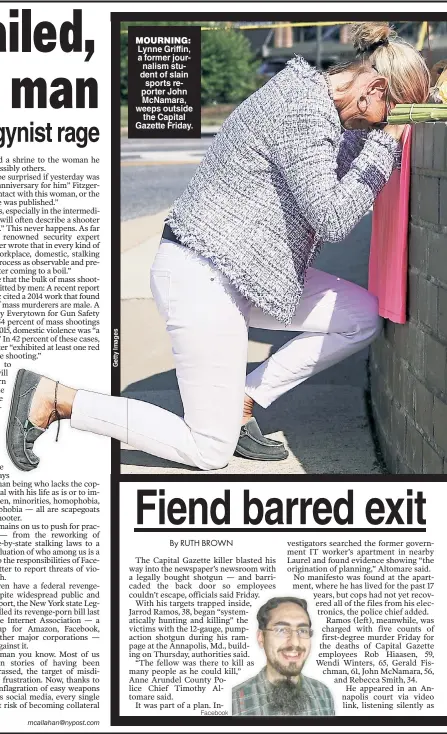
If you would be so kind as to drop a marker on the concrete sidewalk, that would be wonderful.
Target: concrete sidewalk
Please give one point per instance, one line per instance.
(323, 422)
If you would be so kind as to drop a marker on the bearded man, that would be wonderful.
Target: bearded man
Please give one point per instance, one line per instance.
(280, 689)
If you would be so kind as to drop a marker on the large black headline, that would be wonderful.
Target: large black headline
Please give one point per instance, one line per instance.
(153, 506)
(23, 36)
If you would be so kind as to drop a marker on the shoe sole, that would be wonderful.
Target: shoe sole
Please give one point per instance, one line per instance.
(11, 421)
(259, 457)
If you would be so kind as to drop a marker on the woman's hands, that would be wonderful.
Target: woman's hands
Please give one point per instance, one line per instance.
(394, 130)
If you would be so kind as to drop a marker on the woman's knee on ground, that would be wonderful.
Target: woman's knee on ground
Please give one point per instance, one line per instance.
(213, 453)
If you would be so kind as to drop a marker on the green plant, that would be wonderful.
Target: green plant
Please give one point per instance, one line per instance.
(228, 67)
(403, 114)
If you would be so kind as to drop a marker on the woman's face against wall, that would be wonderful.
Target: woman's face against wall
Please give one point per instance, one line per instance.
(365, 104)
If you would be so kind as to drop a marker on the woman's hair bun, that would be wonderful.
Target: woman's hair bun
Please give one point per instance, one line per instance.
(368, 36)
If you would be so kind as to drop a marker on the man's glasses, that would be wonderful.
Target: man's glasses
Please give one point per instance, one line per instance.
(283, 633)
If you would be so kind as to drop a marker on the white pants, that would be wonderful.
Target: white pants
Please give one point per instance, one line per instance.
(207, 320)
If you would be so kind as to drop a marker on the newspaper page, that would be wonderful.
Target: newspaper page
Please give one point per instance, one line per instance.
(201, 543)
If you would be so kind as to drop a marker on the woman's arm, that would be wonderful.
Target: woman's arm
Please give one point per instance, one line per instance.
(351, 145)
(352, 142)
(304, 149)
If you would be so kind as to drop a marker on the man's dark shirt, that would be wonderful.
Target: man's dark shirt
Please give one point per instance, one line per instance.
(251, 698)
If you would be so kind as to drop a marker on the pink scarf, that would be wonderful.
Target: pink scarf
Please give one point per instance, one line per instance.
(388, 260)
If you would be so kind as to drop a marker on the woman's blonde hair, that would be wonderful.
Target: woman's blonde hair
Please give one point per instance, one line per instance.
(377, 45)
